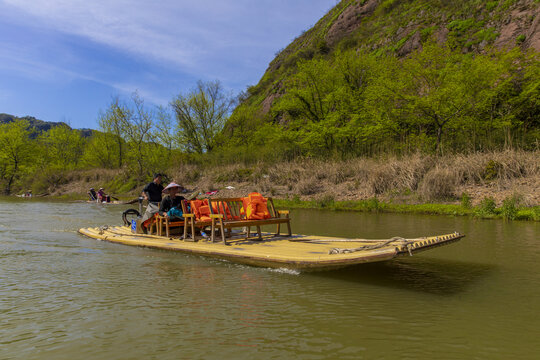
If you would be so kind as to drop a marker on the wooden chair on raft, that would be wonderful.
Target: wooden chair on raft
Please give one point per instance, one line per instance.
(228, 213)
(160, 223)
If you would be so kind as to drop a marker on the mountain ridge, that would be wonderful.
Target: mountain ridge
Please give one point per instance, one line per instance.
(41, 126)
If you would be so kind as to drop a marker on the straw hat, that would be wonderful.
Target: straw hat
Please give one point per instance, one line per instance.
(172, 185)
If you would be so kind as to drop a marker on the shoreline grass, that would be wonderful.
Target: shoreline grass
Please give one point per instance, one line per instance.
(503, 184)
(486, 210)
(375, 206)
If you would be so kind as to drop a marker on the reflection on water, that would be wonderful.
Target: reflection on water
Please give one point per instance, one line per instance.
(64, 296)
(434, 276)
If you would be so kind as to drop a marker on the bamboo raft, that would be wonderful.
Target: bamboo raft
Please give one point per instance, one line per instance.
(300, 252)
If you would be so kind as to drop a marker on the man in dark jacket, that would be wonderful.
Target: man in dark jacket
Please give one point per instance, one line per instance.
(152, 191)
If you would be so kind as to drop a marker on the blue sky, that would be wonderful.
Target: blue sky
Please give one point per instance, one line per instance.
(63, 60)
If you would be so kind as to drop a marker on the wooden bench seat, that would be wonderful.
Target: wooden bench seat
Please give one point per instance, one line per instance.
(226, 214)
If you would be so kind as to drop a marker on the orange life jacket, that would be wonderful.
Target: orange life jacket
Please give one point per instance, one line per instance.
(201, 209)
(219, 210)
(255, 207)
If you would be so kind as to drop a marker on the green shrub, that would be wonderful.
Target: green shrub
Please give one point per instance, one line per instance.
(466, 200)
(509, 207)
(387, 6)
(536, 213)
(492, 170)
(492, 5)
(487, 207)
(322, 47)
(326, 202)
(507, 3)
(461, 26)
(520, 39)
(373, 204)
(426, 32)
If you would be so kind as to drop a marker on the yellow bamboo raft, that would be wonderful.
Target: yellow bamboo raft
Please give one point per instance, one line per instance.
(300, 252)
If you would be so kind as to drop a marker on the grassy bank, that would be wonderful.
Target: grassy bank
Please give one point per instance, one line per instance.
(503, 184)
(487, 210)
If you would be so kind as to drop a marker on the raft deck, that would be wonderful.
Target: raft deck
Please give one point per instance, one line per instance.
(301, 252)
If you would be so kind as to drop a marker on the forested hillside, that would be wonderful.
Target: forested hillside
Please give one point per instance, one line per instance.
(393, 76)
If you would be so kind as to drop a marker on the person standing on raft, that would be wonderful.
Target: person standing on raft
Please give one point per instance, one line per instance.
(152, 193)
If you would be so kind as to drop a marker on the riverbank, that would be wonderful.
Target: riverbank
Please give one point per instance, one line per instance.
(495, 184)
(509, 210)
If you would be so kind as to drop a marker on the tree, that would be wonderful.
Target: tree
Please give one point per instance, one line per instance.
(63, 147)
(101, 151)
(310, 92)
(113, 121)
(164, 130)
(15, 152)
(138, 125)
(201, 115)
(443, 87)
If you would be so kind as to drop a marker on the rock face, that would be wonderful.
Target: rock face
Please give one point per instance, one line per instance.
(349, 20)
(524, 21)
(413, 43)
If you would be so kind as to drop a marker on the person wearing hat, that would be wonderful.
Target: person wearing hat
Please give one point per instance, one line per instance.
(102, 197)
(152, 191)
(171, 205)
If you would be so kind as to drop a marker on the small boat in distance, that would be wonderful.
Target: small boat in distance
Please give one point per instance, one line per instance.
(298, 252)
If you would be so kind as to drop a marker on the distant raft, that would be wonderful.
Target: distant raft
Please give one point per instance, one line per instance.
(299, 252)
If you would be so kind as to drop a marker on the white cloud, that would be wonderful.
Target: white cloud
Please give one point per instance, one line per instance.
(159, 47)
(134, 26)
(23, 61)
(180, 32)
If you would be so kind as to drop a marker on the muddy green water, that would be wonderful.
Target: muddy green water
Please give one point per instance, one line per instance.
(64, 296)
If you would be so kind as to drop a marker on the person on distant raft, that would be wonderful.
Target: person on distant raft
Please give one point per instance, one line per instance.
(152, 193)
(92, 194)
(171, 205)
(102, 197)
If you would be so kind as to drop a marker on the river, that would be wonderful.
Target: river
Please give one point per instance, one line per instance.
(65, 296)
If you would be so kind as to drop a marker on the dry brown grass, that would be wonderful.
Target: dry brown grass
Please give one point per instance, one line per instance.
(409, 179)
(439, 183)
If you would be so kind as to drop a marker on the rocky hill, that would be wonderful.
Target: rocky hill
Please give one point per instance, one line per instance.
(40, 126)
(399, 26)
(378, 76)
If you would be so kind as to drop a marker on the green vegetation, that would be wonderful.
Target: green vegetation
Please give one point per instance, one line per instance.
(134, 140)
(508, 211)
(16, 154)
(414, 80)
(356, 103)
